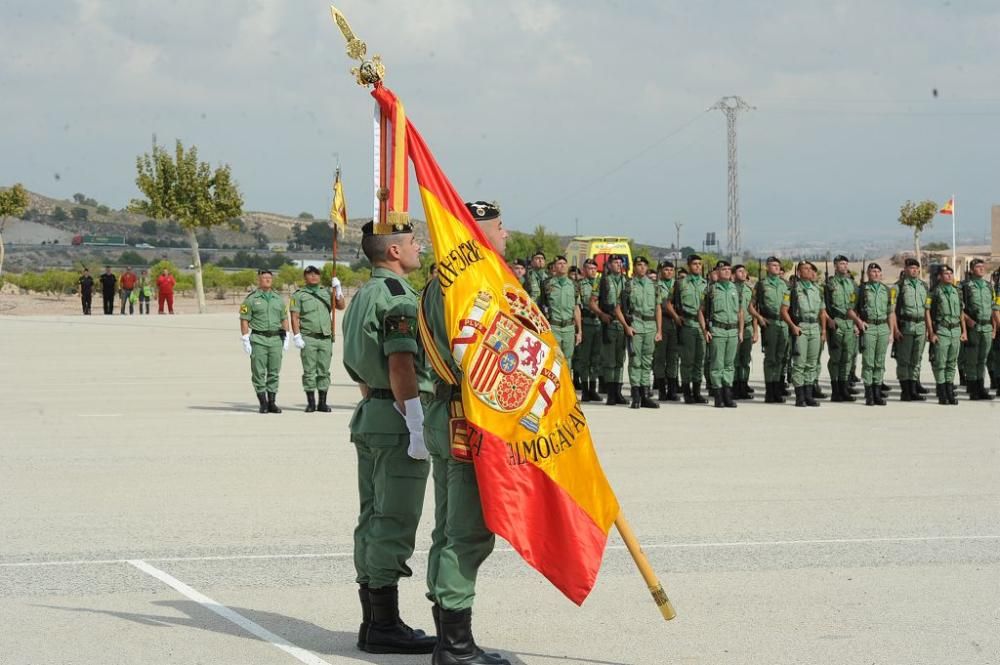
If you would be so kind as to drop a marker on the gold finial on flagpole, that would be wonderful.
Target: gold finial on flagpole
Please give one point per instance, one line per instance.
(369, 72)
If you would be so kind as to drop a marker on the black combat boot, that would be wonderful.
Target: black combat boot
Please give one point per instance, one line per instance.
(577, 382)
(884, 388)
(920, 390)
(768, 392)
(688, 397)
(727, 397)
(915, 391)
(905, 395)
(636, 400)
(601, 386)
(618, 392)
(719, 404)
(846, 392)
(869, 395)
(366, 615)
(878, 396)
(457, 646)
(747, 389)
(592, 391)
(800, 395)
(386, 631)
(672, 387)
(809, 392)
(951, 394)
(696, 394)
(271, 407)
(712, 390)
(661, 390)
(262, 398)
(612, 399)
(323, 406)
(942, 393)
(836, 392)
(645, 399)
(817, 392)
(779, 392)
(785, 392)
(310, 401)
(983, 392)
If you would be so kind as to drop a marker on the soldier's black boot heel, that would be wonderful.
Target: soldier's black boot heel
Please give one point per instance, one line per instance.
(920, 390)
(696, 394)
(591, 388)
(942, 393)
(323, 406)
(800, 395)
(386, 631)
(877, 396)
(672, 387)
(836, 395)
(310, 401)
(950, 388)
(366, 615)
(768, 392)
(983, 392)
(612, 398)
(271, 406)
(869, 395)
(810, 401)
(816, 391)
(635, 398)
(688, 398)
(262, 398)
(905, 394)
(645, 401)
(727, 397)
(915, 391)
(719, 404)
(661, 388)
(847, 393)
(457, 646)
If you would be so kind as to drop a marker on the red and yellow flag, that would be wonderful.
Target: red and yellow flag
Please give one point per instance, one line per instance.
(338, 209)
(541, 484)
(949, 207)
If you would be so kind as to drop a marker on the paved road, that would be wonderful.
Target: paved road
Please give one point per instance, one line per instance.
(148, 514)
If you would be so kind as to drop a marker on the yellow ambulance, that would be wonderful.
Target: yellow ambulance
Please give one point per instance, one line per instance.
(598, 248)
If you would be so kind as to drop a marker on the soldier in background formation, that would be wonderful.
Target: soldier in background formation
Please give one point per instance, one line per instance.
(751, 334)
(588, 355)
(946, 332)
(684, 308)
(982, 318)
(842, 322)
(561, 302)
(311, 309)
(721, 322)
(805, 316)
(639, 313)
(611, 288)
(665, 357)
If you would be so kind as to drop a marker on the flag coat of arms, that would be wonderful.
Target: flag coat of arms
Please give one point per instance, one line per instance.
(540, 481)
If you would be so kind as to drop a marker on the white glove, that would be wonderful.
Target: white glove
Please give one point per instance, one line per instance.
(414, 417)
(337, 290)
(299, 342)
(286, 343)
(246, 343)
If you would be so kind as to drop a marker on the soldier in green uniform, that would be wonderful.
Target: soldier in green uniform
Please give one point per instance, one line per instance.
(721, 321)
(842, 323)
(876, 308)
(460, 542)
(311, 309)
(520, 271)
(911, 332)
(946, 333)
(665, 357)
(608, 296)
(751, 333)
(264, 327)
(588, 353)
(562, 300)
(684, 307)
(770, 294)
(805, 315)
(982, 318)
(536, 277)
(383, 356)
(639, 313)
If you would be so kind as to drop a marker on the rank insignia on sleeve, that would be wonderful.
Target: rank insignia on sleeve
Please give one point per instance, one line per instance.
(787, 298)
(397, 327)
(244, 309)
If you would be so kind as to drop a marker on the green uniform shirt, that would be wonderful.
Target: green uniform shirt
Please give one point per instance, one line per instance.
(642, 303)
(722, 304)
(771, 293)
(875, 301)
(664, 291)
(265, 310)
(689, 293)
(611, 293)
(841, 296)
(562, 299)
(432, 305)
(912, 300)
(588, 288)
(746, 295)
(535, 279)
(806, 302)
(946, 306)
(980, 302)
(313, 305)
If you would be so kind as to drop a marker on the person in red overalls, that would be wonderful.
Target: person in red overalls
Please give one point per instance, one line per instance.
(165, 290)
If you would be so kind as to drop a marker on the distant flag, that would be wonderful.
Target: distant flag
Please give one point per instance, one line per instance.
(338, 210)
(949, 207)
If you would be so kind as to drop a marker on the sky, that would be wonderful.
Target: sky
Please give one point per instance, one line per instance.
(584, 115)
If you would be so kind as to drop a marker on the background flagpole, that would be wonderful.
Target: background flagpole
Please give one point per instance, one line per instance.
(954, 235)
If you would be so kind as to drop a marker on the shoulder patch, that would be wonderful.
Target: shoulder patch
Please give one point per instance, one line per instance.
(395, 288)
(400, 327)
(787, 298)
(244, 308)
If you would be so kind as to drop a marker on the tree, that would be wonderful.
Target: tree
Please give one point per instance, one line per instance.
(522, 245)
(306, 215)
(103, 210)
(917, 216)
(59, 214)
(13, 203)
(317, 235)
(80, 214)
(149, 227)
(179, 187)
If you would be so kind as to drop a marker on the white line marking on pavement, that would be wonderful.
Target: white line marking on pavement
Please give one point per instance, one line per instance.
(661, 546)
(99, 415)
(228, 614)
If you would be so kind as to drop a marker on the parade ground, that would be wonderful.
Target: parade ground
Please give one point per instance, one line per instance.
(149, 514)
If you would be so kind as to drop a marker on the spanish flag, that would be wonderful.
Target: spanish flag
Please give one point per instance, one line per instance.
(540, 482)
(949, 207)
(338, 209)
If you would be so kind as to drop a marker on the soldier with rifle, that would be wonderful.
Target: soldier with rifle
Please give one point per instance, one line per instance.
(721, 321)
(842, 322)
(946, 332)
(770, 294)
(588, 353)
(912, 303)
(876, 309)
(684, 306)
(665, 356)
(982, 319)
(805, 315)
(751, 333)
(639, 312)
(612, 331)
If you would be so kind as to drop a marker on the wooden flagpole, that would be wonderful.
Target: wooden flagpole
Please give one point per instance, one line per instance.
(648, 575)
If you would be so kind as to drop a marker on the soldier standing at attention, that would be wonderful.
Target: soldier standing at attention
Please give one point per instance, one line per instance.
(770, 295)
(86, 283)
(946, 333)
(842, 321)
(588, 353)
(805, 315)
(520, 272)
(460, 542)
(563, 302)
(263, 322)
(912, 304)
(751, 333)
(665, 357)
(536, 276)
(383, 356)
(108, 284)
(982, 319)
(876, 309)
(684, 306)
(721, 321)
(609, 294)
(644, 326)
(311, 310)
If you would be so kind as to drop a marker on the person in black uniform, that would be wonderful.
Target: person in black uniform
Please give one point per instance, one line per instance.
(86, 283)
(108, 285)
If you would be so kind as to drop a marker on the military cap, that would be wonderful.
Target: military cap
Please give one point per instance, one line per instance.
(946, 268)
(693, 258)
(772, 259)
(387, 229)
(738, 266)
(665, 264)
(520, 262)
(641, 259)
(559, 258)
(538, 252)
(590, 262)
(812, 265)
(681, 272)
(722, 263)
(840, 257)
(874, 266)
(483, 211)
(264, 271)
(976, 262)
(311, 269)
(911, 262)
(616, 257)
(573, 270)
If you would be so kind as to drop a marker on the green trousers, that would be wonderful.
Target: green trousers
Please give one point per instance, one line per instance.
(805, 356)
(640, 359)
(774, 340)
(316, 363)
(460, 541)
(613, 353)
(876, 341)
(566, 336)
(944, 354)
(722, 355)
(744, 352)
(665, 357)
(391, 490)
(691, 343)
(265, 363)
(977, 350)
(910, 350)
(842, 343)
(587, 357)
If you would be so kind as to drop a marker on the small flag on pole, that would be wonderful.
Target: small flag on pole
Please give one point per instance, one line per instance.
(949, 207)
(338, 210)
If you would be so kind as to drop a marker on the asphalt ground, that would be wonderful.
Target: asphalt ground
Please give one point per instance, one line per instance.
(148, 514)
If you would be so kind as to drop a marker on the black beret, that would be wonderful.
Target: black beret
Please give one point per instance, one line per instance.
(616, 257)
(773, 259)
(264, 271)
(722, 263)
(311, 269)
(911, 262)
(693, 258)
(666, 264)
(520, 262)
(874, 266)
(483, 211)
(946, 268)
(560, 258)
(538, 253)
(590, 262)
(738, 266)
(976, 262)
(640, 259)
(840, 257)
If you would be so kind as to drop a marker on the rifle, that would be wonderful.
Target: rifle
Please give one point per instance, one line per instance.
(860, 307)
(602, 304)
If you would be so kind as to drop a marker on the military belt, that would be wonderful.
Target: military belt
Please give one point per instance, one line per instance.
(316, 335)
(836, 314)
(877, 322)
(809, 320)
(912, 319)
(588, 315)
(725, 326)
(447, 392)
(560, 323)
(386, 393)
(646, 317)
(266, 333)
(983, 322)
(949, 326)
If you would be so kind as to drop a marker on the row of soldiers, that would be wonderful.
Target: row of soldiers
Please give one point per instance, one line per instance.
(676, 327)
